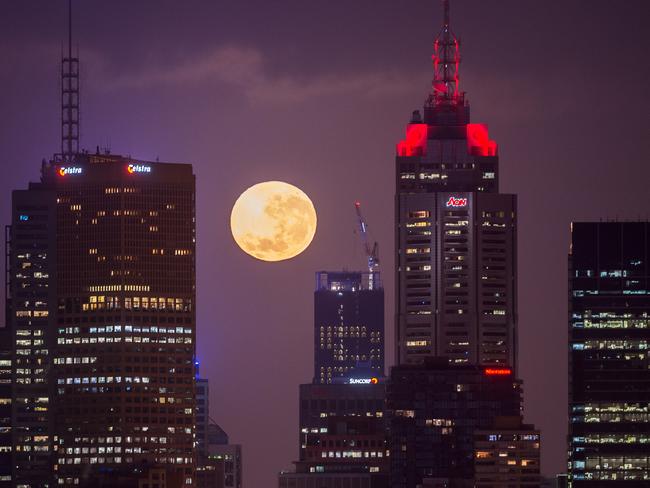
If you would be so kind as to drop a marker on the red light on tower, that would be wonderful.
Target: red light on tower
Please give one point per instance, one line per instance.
(478, 141)
(416, 141)
(497, 371)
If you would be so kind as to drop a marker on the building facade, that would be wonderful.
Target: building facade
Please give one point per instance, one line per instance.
(31, 312)
(202, 416)
(433, 410)
(107, 303)
(609, 364)
(6, 354)
(348, 326)
(507, 454)
(342, 429)
(455, 233)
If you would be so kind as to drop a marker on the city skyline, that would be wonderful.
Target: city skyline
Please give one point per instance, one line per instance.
(551, 121)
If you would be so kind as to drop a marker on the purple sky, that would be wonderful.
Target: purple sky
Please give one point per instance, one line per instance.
(317, 94)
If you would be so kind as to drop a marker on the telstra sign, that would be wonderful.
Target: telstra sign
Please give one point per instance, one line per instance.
(70, 170)
(138, 168)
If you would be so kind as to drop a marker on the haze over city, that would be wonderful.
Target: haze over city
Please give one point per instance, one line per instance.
(317, 94)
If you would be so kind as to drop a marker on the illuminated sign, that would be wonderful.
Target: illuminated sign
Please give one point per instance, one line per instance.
(497, 371)
(138, 168)
(363, 381)
(70, 170)
(457, 202)
(24, 218)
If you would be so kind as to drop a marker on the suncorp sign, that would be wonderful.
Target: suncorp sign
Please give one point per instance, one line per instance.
(457, 202)
(363, 381)
(138, 168)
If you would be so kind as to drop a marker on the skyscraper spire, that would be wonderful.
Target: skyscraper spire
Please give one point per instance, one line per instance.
(446, 58)
(69, 99)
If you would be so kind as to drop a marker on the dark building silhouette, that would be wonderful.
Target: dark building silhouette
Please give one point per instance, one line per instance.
(342, 432)
(222, 453)
(102, 293)
(6, 353)
(202, 418)
(609, 365)
(433, 412)
(455, 233)
(507, 454)
(348, 326)
(342, 428)
(31, 311)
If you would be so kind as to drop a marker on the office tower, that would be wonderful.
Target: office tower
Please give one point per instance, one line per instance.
(202, 416)
(31, 309)
(609, 366)
(342, 428)
(6, 353)
(220, 451)
(433, 410)
(455, 233)
(507, 454)
(103, 291)
(456, 306)
(348, 326)
(342, 438)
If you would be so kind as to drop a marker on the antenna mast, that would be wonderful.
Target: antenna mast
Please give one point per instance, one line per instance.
(446, 58)
(69, 99)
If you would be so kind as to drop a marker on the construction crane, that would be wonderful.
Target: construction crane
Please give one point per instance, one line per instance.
(372, 253)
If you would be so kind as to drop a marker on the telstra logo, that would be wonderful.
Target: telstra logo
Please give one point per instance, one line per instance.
(457, 202)
(138, 168)
(70, 170)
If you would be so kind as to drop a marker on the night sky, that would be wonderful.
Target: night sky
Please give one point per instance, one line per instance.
(317, 94)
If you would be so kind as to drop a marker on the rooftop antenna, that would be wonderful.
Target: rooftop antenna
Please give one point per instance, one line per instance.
(69, 99)
(446, 58)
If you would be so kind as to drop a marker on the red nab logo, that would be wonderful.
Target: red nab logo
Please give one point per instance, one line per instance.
(457, 202)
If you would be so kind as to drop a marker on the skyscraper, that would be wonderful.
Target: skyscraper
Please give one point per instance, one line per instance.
(507, 454)
(342, 438)
(434, 410)
(348, 326)
(456, 304)
(455, 233)
(6, 353)
(31, 309)
(103, 295)
(609, 365)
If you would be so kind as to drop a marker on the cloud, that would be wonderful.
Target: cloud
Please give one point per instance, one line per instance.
(244, 69)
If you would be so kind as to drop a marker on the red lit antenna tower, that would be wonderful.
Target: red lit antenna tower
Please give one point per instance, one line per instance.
(446, 58)
(69, 99)
(372, 253)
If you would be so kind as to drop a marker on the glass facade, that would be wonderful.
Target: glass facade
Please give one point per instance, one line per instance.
(609, 358)
(349, 326)
(434, 411)
(102, 295)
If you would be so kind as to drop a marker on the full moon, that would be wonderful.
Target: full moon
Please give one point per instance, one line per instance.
(273, 221)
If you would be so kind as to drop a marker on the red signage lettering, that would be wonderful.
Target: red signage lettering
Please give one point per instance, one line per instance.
(457, 202)
(497, 371)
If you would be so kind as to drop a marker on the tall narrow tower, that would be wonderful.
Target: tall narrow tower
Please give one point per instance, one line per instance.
(69, 99)
(455, 233)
